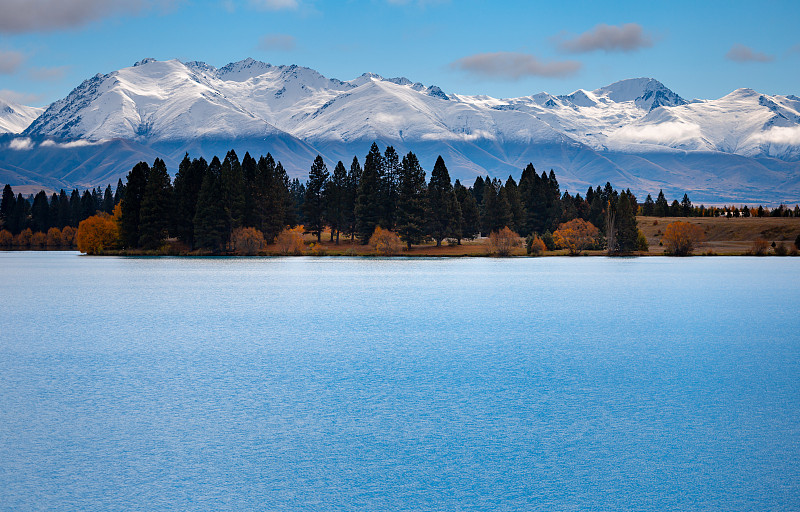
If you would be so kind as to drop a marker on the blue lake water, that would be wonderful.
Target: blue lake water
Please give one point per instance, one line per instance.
(399, 384)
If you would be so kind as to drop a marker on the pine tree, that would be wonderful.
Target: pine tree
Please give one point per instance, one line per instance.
(211, 221)
(249, 171)
(470, 216)
(314, 199)
(155, 217)
(54, 209)
(627, 230)
(298, 193)
(353, 179)
(233, 189)
(649, 206)
(20, 216)
(496, 210)
(533, 196)
(119, 193)
(411, 199)
(132, 204)
(40, 213)
(368, 210)
(336, 200)
(686, 206)
(7, 204)
(88, 205)
(390, 186)
(443, 209)
(515, 205)
(477, 190)
(75, 208)
(108, 200)
(188, 181)
(661, 208)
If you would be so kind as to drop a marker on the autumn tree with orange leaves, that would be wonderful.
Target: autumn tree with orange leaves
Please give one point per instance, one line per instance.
(575, 236)
(680, 238)
(99, 232)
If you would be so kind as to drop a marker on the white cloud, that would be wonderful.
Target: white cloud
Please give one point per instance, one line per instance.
(21, 144)
(19, 97)
(789, 135)
(73, 144)
(673, 131)
(275, 5)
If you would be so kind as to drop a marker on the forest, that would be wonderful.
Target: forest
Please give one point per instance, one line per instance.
(209, 207)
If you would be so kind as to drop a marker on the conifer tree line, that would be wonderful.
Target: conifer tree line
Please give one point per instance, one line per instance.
(206, 202)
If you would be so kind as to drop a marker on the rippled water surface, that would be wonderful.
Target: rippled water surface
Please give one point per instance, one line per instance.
(399, 384)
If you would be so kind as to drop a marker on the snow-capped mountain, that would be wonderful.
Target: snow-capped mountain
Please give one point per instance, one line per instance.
(635, 132)
(15, 117)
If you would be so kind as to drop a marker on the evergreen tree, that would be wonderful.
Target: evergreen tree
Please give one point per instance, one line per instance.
(496, 210)
(64, 210)
(88, 205)
(649, 206)
(336, 200)
(75, 208)
(53, 212)
(411, 201)
(285, 195)
(20, 216)
(534, 198)
(108, 200)
(675, 209)
(155, 216)
(686, 206)
(298, 192)
(314, 201)
(353, 179)
(40, 213)
(515, 204)
(477, 190)
(132, 204)
(119, 193)
(233, 189)
(251, 191)
(188, 181)
(443, 210)
(390, 186)
(661, 208)
(211, 221)
(368, 210)
(7, 204)
(627, 230)
(470, 218)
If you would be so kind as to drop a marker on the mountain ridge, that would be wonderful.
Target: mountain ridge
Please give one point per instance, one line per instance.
(169, 104)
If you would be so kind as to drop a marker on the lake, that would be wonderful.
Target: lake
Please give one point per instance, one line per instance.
(399, 384)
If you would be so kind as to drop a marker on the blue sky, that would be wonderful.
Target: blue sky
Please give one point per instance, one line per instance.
(503, 49)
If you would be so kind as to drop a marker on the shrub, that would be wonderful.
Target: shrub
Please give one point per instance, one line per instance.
(535, 246)
(67, 236)
(6, 238)
(759, 248)
(97, 233)
(575, 236)
(547, 238)
(385, 242)
(641, 242)
(247, 241)
(23, 239)
(290, 241)
(680, 238)
(797, 242)
(38, 239)
(53, 237)
(502, 242)
(781, 249)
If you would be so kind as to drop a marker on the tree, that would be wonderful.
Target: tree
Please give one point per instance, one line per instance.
(470, 215)
(649, 206)
(97, 233)
(211, 220)
(108, 200)
(535, 246)
(686, 206)
(20, 217)
(247, 241)
(443, 210)
(186, 188)
(390, 185)
(7, 204)
(385, 242)
(353, 179)
(496, 210)
(502, 242)
(661, 208)
(411, 201)
(233, 189)
(132, 205)
(40, 213)
(88, 205)
(627, 230)
(53, 237)
(155, 216)
(336, 200)
(680, 238)
(290, 241)
(514, 199)
(314, 201)
(368, 207)
(575, 236)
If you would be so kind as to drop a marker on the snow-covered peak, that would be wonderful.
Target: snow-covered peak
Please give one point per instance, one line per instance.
(14, 118)
(144, 61)
(646, 93)
(243, 70)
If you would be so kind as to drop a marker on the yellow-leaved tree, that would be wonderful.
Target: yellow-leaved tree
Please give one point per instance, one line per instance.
(680, 238)
(98, 233)
(575, 236)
